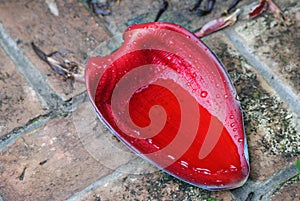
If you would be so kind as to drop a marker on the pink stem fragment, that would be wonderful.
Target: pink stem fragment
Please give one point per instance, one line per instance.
(258, 9)
(218, 24)
(272, 6)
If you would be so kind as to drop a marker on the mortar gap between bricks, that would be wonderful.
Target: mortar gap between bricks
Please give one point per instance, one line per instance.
(31, 73)
(18, 132)
(285, 93)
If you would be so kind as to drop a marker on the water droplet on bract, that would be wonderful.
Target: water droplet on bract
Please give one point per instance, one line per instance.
(194, 75)
(234, 130)
(169, 58)
(233, 168)
(237, 98)
(225, 96)
(232, 124)
(202, 170)
(184, 163)
(225, 171)
(188, 37)
(203, 94)
(171, 42)
(157, 147)
(240, 140)
(231, 116)
(137, 132)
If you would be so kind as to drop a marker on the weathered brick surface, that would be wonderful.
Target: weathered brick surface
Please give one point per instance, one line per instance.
(134, 11)
(49, 163)
(73, 29)
(288, 192)
(18, 101)
(276, 44)
(130, 9)
(98, 141)
(152, 186)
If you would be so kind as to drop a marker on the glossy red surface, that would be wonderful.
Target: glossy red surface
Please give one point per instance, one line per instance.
(169, 99)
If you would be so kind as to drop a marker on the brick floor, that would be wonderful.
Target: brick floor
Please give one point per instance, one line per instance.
(276, 44)
(49, 163)
(53, 147)
(19, 107)
(152, 186)
(97, 140)
(288, 192)
(75, 29)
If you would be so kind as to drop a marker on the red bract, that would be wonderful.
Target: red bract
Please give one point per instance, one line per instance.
(169, 99)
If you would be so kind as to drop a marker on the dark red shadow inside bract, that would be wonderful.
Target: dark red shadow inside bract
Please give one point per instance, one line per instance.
(169, 99)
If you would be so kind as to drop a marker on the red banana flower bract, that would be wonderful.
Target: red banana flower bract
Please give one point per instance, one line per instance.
(169, 99)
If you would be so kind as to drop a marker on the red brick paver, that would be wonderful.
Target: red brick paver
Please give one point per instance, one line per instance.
(49, 163)
(288, 192)
(18, 101)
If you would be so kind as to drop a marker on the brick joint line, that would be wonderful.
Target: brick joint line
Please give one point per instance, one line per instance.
(110, 30)
(265, 189)
(269, 186)
(110, 177)
(32, 75)
(284, 91)
(67, 107)
(32, 124)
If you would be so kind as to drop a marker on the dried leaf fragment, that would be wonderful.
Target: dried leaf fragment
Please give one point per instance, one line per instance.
(163, 7)
(233, 4)
(101, 7)
(60, 61)
(206, 9)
